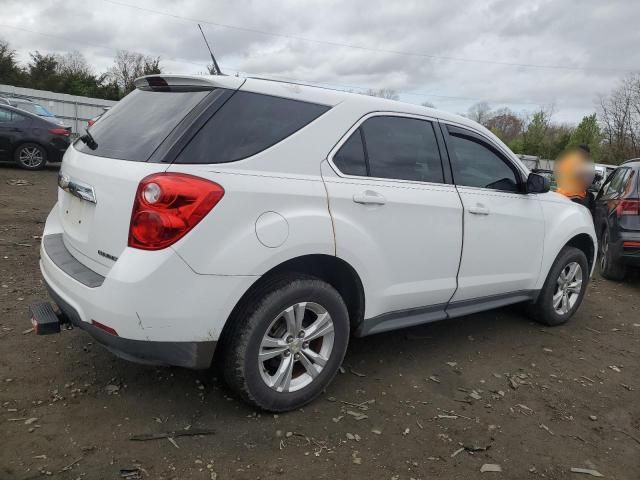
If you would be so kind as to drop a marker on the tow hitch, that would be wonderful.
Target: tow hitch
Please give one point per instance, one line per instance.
(46, 320)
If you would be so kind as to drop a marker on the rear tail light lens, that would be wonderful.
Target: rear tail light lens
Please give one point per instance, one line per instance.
(60, 131)
(90, 122)
(628, 207)
(167, 206)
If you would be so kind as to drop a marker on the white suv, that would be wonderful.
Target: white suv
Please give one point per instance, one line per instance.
(268, 222)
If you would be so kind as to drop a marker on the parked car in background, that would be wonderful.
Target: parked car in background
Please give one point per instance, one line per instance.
(602, 173)
(617, 220)
(29, 140)
(31, 107)
(269, 222)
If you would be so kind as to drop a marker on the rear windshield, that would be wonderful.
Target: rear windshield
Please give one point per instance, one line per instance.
(246, 124)
(139, 123)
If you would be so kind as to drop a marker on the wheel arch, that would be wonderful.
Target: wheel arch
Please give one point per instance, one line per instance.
(333, 270)
(585, 243)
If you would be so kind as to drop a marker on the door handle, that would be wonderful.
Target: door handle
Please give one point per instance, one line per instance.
(479, 209)
(369, 197)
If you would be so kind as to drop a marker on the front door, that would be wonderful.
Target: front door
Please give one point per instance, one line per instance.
(396, 220)
(503, 226)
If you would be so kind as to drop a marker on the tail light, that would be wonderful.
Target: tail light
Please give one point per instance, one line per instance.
(90, 122)
(628, 207)
(167, 206)
(60, 131)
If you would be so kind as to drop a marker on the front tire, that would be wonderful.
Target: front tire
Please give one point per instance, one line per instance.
(287, 343)
(30, 156)
(564, 288)
(610, 267)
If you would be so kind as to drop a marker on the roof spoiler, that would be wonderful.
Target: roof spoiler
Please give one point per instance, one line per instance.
(174, 83)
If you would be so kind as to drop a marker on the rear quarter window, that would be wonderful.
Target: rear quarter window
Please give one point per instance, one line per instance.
(247, 124)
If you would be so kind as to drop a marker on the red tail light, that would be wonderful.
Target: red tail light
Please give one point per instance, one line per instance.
(90, 122)
(60, 131)
(628, 207)
(167, 206)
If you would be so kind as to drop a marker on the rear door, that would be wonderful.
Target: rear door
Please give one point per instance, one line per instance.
(396, 218)
(100, 175)
(12, 128)
(503, 226)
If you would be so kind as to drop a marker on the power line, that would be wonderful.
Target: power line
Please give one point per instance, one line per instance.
(372, 49)
(337, 86)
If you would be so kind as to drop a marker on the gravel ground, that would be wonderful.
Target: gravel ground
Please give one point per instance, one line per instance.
(437, 401)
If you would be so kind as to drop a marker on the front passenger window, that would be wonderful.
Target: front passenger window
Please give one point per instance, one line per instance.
(477, 165)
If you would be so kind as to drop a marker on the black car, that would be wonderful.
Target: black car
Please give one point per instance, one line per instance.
(29, 140)
(617, 220)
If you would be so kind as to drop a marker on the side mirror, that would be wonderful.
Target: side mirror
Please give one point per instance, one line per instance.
(538, 183)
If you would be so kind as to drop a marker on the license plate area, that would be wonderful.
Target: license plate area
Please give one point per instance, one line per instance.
(77, 217)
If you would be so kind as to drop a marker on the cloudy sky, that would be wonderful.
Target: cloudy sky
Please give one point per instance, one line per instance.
(521, 54)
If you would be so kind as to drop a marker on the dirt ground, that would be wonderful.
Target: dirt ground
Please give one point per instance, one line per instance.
(437, 401)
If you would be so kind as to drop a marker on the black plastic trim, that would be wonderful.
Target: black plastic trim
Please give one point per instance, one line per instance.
(55, 249)
(474, 305)
(433, 313)
(401, 319)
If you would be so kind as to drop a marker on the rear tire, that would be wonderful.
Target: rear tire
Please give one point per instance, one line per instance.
(30, 156)
(611, 268)
(271, 358)
(563, 290)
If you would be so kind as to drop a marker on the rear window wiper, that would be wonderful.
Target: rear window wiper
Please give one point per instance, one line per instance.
(89, 140)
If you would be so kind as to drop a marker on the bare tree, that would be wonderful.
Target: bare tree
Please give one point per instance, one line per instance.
(620, 118)
(383, 93)
(73, 64)
(130, 65)
(479, 112)
(428, 104)
(505, 124)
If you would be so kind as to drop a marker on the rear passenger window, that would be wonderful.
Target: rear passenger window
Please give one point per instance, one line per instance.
(476, 165)
(350, 158)
(246, 124)
(402, 148)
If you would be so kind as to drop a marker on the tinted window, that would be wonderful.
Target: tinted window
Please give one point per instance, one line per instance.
(5, 115)
(402, 148)
(477, 165)
(617, 183)
(246, 124)
(138, 123)
(350, 158)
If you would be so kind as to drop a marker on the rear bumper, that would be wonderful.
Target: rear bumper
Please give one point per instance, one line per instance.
(195, 355)
(629, 254)
(162, 311)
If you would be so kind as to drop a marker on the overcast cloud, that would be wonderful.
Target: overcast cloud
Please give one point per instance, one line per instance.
(598, 39)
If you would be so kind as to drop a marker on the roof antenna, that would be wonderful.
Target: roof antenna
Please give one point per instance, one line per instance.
(213, 69)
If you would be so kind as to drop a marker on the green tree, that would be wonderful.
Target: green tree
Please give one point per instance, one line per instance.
(42, 72)
(534, 138)
(588, 133)
(10, 71)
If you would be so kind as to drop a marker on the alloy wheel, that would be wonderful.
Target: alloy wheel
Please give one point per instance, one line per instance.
(568, 288)
(296, 347)
(31, 156)
(604, 251)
